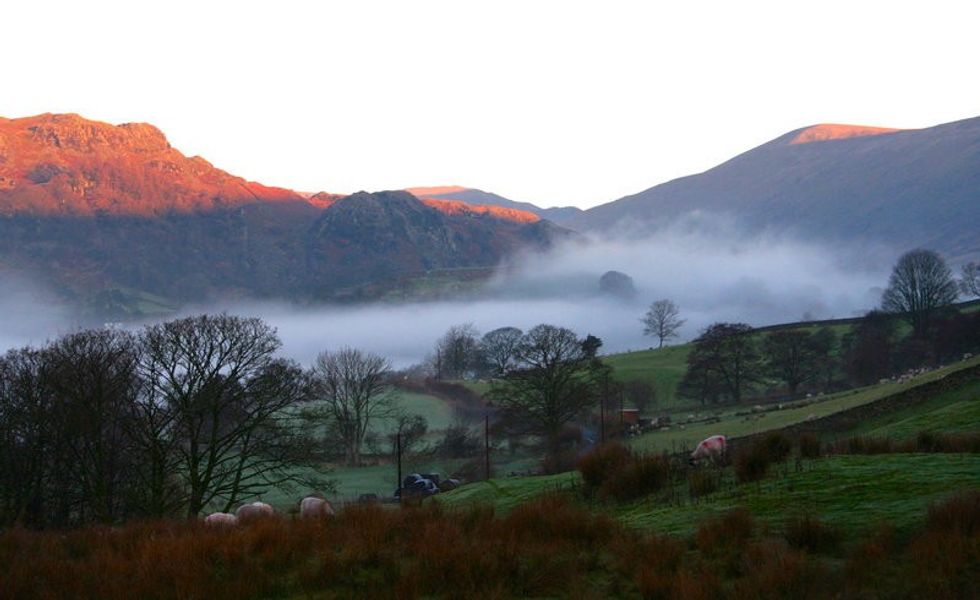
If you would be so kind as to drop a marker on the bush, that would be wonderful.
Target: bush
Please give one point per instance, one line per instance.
(776, 446)
(958, 514)
(614, 471)
(559, 461)
(808, 533)
(601, 462)
(809, 446)
(751, 464)
(701, 483)
(641, 476)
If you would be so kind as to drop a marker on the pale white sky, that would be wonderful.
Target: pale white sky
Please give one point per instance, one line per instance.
(552, 102)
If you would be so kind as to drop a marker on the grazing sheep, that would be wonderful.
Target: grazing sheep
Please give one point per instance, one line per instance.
(312, 506)
(221, 519)
(254, 511)
(712, 448)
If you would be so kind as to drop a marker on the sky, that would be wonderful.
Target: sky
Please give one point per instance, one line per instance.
(551, 102)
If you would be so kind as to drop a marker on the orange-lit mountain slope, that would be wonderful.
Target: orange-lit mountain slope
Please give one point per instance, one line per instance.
(63, 164)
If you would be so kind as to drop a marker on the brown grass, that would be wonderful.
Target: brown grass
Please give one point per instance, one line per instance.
(614, 471)
(924, 442)
(551, 547)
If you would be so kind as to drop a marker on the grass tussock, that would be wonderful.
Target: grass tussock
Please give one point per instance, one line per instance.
(613, 471)
(550, 547)
(924, 442)
(806, 532)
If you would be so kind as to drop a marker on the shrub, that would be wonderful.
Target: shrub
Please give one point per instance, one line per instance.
(701, 483)
(559, 461)
(809, 446)
(958, 514)
(640, 476)
(808, 533)
(601, 462)
(751, 464)
(776, 446)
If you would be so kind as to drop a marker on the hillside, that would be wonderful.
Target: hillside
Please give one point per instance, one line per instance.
(559, 215)
(899, 188)
(108, 214)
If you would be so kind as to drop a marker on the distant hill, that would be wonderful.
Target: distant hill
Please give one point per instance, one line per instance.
(559, 215)
(101, 211)
(902, 188)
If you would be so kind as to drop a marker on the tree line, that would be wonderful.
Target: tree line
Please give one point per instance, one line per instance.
(730, 360)
(106, 425)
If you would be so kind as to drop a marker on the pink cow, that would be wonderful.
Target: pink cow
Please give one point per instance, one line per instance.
(712, 448)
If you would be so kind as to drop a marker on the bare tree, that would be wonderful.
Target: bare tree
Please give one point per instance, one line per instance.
(93, 381)
(553, 381)
(25, 439)
(724, 358)
(498, 349)
(970, 280)
(228, 398)
(456, 352)
(353, 387)
(919, 283)
(791, 356)
(662, 321)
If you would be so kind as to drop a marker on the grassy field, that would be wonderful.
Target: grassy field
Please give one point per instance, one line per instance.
(852, 492)
(663, 368)
(733, 426)
(954, 411)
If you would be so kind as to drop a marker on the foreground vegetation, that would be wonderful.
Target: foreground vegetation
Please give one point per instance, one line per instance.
(545, 548)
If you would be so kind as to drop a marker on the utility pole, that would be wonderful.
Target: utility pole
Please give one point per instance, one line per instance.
(602, 419)
(398, 446)
(486, 443)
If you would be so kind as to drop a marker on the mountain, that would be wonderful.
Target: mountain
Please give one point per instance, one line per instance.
(111, 215)
(559, 215)
(900, 188)
(68, 165)
(383, 235)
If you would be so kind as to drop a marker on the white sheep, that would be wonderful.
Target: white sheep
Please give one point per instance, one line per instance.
(221, 519)
(312, 506)
(254, 511)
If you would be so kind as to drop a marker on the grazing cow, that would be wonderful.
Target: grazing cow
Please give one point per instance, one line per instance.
(221, 519)
(712, 448)
(311, 506)
(254, 511)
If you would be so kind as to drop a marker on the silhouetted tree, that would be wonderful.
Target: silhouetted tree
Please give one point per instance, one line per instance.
(826, 364)
(27, 440)
(970, 280)
(353, 388)
(662, 321)
(920, 283)
(869, 347)
(93, 380)
(553, 382)
(227, 398)
(591, 345)
(724, 357)
(457, 352)
(640, 394)
(411, 429)
(790, 356)
(498, 349)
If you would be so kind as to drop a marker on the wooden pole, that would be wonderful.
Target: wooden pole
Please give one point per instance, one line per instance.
(602, 419)
(398, 443)
(486, 443)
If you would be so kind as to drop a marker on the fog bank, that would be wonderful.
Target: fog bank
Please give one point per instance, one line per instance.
(711, 273)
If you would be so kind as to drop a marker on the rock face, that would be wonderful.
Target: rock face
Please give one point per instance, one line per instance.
(98, 210)
(67, 165)
(386, 234)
